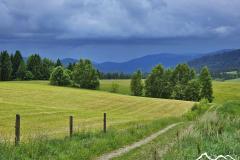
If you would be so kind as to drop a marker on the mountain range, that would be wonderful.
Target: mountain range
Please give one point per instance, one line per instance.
(145, 63)
(222, 60)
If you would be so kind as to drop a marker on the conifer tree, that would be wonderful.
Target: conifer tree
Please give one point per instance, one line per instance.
(16, 61)
(58, 63)
(206, 84)
(47, 68)
(22, 71)
(34, 65)
(5, 66)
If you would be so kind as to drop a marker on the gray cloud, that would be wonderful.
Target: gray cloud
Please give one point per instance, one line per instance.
(118, 29)
(65, 19)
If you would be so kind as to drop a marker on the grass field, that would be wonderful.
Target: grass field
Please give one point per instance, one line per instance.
(223, 91)
(45, 109)
(124, 85)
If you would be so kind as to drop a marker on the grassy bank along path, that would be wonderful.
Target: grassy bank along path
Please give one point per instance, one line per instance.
(135, 145)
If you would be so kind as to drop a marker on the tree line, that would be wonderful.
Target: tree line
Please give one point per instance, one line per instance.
(180, 83)
(14, 67)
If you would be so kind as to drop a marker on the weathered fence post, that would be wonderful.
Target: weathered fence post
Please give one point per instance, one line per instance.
(17, 130)
(105, 122)
(70, 126)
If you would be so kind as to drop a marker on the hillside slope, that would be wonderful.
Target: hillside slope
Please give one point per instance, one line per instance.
(46, 109)
(218, 62)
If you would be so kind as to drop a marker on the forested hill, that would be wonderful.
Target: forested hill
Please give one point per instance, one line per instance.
(145, 63)
(218, 62)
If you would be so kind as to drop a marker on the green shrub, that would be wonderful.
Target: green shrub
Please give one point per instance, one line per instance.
(28, 76)
(60, 77)
(114, 87)
(197, 109)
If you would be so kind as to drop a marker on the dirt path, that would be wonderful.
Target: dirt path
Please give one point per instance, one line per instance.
(126, 149)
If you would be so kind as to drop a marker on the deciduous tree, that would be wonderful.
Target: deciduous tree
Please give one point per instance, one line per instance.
(85, 75)
(136, 84)
(60, 77)
(154, 84)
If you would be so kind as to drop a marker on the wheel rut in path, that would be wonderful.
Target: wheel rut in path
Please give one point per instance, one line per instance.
(135, 145)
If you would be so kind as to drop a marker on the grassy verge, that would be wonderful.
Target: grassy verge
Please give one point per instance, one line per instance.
(156, 148)
(83, 145)
(217, 133)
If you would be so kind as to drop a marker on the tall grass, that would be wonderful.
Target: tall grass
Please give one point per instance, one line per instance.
(83, 145)
(217, 133)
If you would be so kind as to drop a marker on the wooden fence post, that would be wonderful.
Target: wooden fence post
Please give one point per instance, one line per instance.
(17, 130)
(105, 122)
(70, 126)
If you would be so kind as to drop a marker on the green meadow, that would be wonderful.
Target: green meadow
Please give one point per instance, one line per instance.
(223, 91)
(45, 112)
(45, 109)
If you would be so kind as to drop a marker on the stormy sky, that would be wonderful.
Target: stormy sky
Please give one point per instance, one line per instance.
(118, 30)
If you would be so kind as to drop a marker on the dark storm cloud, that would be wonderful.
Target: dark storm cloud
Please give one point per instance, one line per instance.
(119, 18)
(71, 23)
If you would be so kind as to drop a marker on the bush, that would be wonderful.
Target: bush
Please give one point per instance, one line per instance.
(28, 75)
(114, 87)
(197, 109)
(60, 77)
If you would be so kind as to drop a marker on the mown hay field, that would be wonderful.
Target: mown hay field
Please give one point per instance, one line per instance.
(45, 109)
